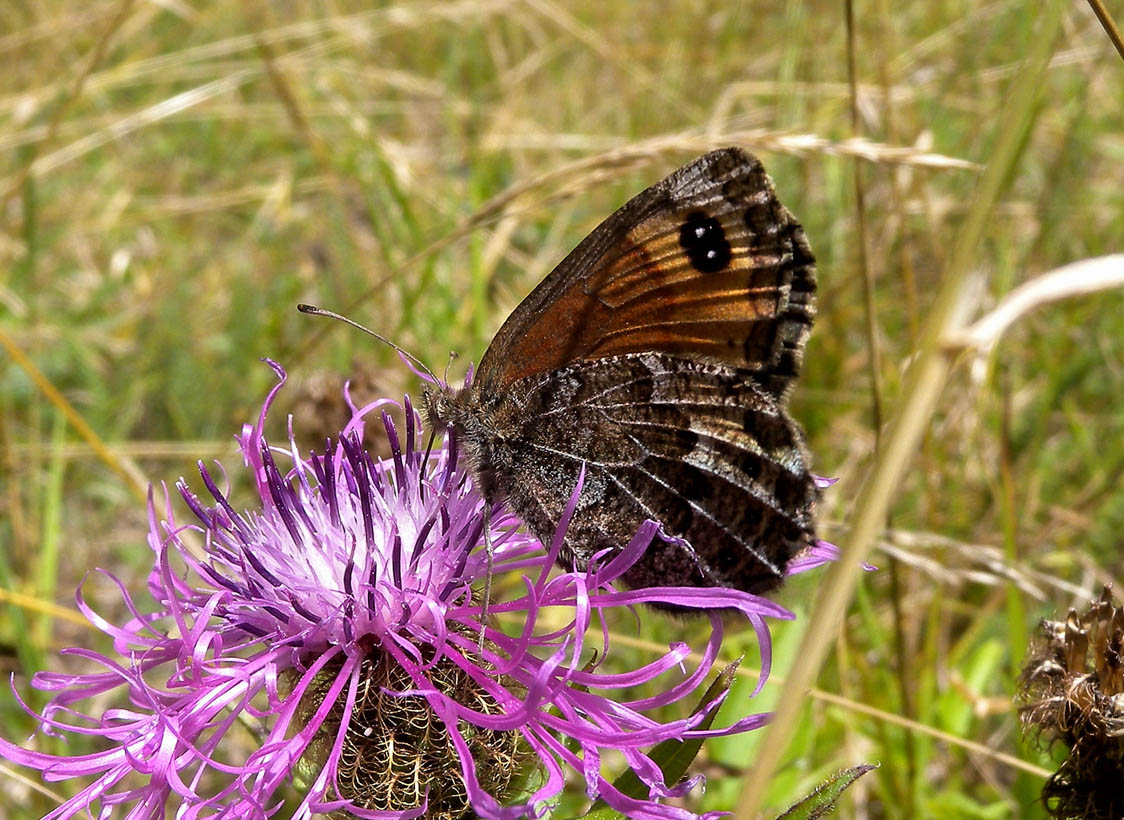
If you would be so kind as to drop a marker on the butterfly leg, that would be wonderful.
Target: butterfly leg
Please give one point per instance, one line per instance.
(487, 576)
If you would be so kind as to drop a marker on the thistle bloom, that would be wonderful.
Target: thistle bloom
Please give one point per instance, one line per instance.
(338, 623)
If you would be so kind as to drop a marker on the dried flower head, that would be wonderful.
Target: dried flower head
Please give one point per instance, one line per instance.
(1073, 692)
(331, 637)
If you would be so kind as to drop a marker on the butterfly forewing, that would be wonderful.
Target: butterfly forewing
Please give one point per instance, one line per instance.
(706, 263)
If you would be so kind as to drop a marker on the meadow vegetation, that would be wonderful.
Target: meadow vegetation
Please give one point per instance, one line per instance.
(176, 175)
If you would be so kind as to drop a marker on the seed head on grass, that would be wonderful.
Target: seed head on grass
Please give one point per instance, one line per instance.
(334, 631)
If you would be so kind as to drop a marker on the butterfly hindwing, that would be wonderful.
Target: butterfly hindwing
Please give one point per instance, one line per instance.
(705, 263)
(699, 446)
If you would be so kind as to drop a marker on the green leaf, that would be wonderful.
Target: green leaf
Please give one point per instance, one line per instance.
(672, 756)
(826, 795)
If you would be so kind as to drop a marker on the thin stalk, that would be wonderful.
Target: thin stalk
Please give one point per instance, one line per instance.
(1109, 26)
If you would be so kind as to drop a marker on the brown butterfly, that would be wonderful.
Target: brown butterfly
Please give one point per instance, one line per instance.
(658, 355)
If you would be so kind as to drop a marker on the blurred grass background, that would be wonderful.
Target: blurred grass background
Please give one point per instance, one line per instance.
(176, 175)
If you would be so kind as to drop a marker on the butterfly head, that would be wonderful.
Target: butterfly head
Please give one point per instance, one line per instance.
(438, 407)
(475, 431)
(446, 408)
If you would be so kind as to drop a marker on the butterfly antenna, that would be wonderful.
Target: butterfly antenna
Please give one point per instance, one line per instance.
(318, 311)
(452, 357)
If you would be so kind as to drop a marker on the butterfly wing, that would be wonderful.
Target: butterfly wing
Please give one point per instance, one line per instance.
(704, 263)
(700, 446)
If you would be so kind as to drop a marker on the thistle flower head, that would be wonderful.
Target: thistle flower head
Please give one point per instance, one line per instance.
(334, 631)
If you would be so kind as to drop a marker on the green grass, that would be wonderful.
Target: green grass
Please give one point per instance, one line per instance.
(175, 177)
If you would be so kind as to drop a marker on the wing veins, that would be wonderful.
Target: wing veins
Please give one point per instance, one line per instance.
(587, 401)
(701, 510)
(631, 329)
(608, 470)
(689, 401)
(752, 487)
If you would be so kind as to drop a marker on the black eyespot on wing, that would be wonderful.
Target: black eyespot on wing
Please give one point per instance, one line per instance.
(705, 243)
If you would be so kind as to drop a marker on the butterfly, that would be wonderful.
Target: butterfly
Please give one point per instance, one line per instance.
(658, 356)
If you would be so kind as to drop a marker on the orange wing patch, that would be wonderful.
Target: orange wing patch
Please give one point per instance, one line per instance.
(705, 263)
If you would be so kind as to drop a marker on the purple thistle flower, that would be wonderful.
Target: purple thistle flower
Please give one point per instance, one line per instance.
(339, 622)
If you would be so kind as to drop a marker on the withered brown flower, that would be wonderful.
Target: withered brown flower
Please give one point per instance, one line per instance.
(1073, 692)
